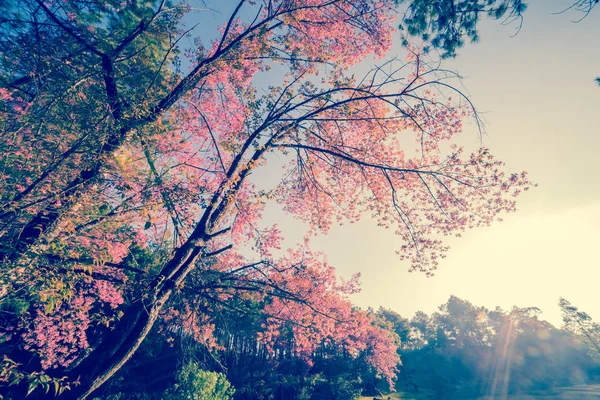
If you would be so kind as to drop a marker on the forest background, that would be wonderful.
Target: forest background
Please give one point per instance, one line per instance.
(133, 200)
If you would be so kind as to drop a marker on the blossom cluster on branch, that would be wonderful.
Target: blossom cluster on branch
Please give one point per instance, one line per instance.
(125, 178)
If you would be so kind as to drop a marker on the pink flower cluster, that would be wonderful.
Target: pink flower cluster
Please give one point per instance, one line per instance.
(59, 337)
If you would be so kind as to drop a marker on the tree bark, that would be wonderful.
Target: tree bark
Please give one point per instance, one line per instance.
(123, 342)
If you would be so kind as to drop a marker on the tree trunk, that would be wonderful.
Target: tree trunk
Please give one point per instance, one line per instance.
(144, 324)
(116, 349)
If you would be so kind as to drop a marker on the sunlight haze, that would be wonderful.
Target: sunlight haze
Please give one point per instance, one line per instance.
(537, 96)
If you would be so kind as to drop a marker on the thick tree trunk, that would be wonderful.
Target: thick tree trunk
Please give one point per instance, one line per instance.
(144, 322)
(123, 342)
(126, 338)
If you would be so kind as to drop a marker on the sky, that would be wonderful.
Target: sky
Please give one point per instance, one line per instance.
(537, 95)
(541, 107)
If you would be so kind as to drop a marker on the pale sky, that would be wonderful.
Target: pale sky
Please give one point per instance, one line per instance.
(542, 112)
(541, 106)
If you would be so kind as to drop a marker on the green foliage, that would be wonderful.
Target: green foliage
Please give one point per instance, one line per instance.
(444, 24)
(14, 306)
(465, 351)
(461, 351)
(46, 384)
(393, 322)
(581, 324)
(342, 387)
(36, 382)
(194, 383)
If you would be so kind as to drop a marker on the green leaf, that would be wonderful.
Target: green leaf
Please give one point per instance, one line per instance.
(49, 307)
(31, 388)
(147, 225)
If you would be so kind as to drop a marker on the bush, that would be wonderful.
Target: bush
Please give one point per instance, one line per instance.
(194, 383)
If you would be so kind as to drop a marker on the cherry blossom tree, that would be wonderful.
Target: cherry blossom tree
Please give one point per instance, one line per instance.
(126, 193)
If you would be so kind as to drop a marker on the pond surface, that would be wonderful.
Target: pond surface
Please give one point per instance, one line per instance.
(582, 392)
